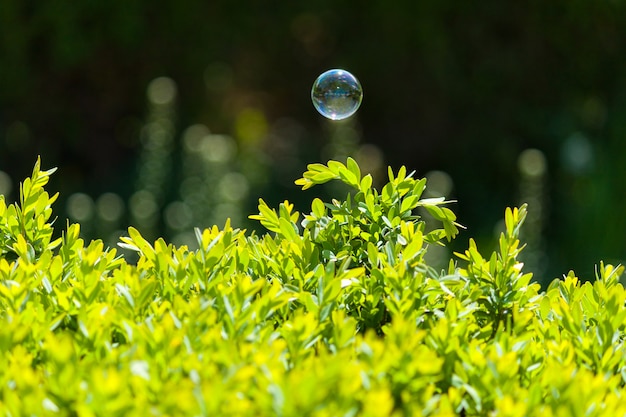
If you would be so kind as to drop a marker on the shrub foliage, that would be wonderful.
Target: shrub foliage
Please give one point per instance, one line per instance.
(331, 313)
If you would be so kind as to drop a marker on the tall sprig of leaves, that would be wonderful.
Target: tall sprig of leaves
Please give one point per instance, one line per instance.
(505, 289)
(366, 219)
(372, 243)
(24, 228)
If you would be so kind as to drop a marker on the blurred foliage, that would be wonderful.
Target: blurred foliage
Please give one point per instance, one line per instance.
(462, 89)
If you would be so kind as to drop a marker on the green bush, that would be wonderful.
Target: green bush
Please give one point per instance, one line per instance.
(334, 313)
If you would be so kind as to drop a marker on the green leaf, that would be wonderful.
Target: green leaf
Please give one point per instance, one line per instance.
(354, 169)
(288, 230)
(318, 208)
(366, 183)
(336, 167)
(409, 203)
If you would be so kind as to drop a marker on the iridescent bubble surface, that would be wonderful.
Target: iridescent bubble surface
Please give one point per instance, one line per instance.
(336, 94)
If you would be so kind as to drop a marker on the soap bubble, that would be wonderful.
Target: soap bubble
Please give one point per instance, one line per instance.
(336, 94)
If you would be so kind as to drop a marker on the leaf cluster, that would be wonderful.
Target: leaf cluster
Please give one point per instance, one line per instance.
(335, 312)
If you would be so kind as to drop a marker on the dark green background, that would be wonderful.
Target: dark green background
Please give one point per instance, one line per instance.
(461, 87)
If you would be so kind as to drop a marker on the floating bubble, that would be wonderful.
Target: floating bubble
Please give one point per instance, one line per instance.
(336, 94)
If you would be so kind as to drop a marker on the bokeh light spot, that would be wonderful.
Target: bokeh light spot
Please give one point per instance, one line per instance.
(162, 90)
(110, 207)
(251, 126)
(80, 207)
(577, 154)
(438, 184)
(218, 148)
(532, 162)
(370, 158)
(143, 205)
(5, 183)
(178, 215)
(193, 136)
(234, 186)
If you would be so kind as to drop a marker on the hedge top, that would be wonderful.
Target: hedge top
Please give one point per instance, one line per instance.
(333, 313)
